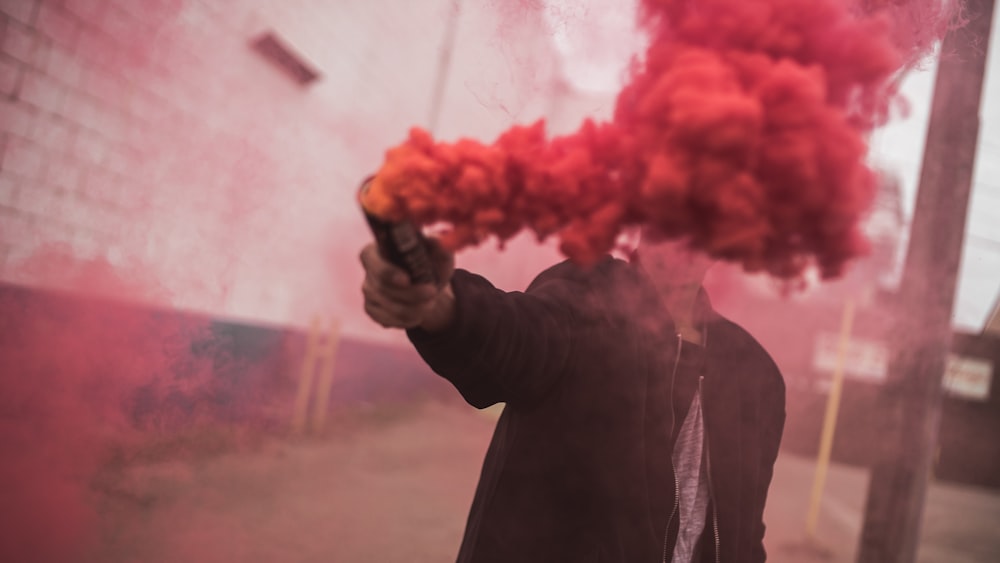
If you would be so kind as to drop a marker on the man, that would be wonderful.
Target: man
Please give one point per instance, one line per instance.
(639, 425)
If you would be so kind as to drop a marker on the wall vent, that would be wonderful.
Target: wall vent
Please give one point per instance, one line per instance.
(279, 53)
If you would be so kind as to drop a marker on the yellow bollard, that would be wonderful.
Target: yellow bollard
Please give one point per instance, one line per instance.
(325, 377)
(319, 351)
(830, 420)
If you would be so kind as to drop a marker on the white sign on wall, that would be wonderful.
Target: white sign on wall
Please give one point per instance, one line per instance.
(868, 360)
(864, 359)
(968, 378)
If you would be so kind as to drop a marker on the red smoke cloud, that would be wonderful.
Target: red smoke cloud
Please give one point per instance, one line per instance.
(72, 371)
(743, 130)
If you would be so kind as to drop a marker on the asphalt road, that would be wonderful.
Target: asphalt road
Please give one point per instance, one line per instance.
(394, 484)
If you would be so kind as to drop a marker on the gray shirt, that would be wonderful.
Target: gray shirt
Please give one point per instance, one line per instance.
(692, 478)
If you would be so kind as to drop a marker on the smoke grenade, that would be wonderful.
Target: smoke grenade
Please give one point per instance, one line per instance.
(399, 242)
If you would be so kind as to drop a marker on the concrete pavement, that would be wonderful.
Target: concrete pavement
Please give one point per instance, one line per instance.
(394, 484)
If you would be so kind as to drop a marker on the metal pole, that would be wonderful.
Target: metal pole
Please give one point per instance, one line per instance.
(910, 400)
(444, 65)
(830, 420)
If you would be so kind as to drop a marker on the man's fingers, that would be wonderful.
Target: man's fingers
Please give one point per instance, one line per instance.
(410, 295)
(392, 315)
(381, 316)
(391, 299)
(381, 269)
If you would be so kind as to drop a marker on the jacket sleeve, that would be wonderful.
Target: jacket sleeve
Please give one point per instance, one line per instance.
(773, 424)
(504, 347)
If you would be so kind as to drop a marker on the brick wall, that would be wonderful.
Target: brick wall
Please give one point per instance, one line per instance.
(151, 135)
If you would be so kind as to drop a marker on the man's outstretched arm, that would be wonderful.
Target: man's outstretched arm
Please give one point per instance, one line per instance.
(494, 346)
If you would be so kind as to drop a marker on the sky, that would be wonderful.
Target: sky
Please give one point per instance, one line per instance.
(900, 145)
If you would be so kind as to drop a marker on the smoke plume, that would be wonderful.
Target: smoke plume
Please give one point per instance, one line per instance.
(743, 130)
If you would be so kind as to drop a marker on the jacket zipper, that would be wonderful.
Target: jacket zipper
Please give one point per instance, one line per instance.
(708, 473)
(673, 470)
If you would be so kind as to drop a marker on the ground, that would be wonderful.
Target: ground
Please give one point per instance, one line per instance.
(394, 483)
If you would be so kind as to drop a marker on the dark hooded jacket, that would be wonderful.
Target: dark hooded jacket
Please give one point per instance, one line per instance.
(579, 465)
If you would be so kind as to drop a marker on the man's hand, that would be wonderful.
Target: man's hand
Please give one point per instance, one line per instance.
(393, 301)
